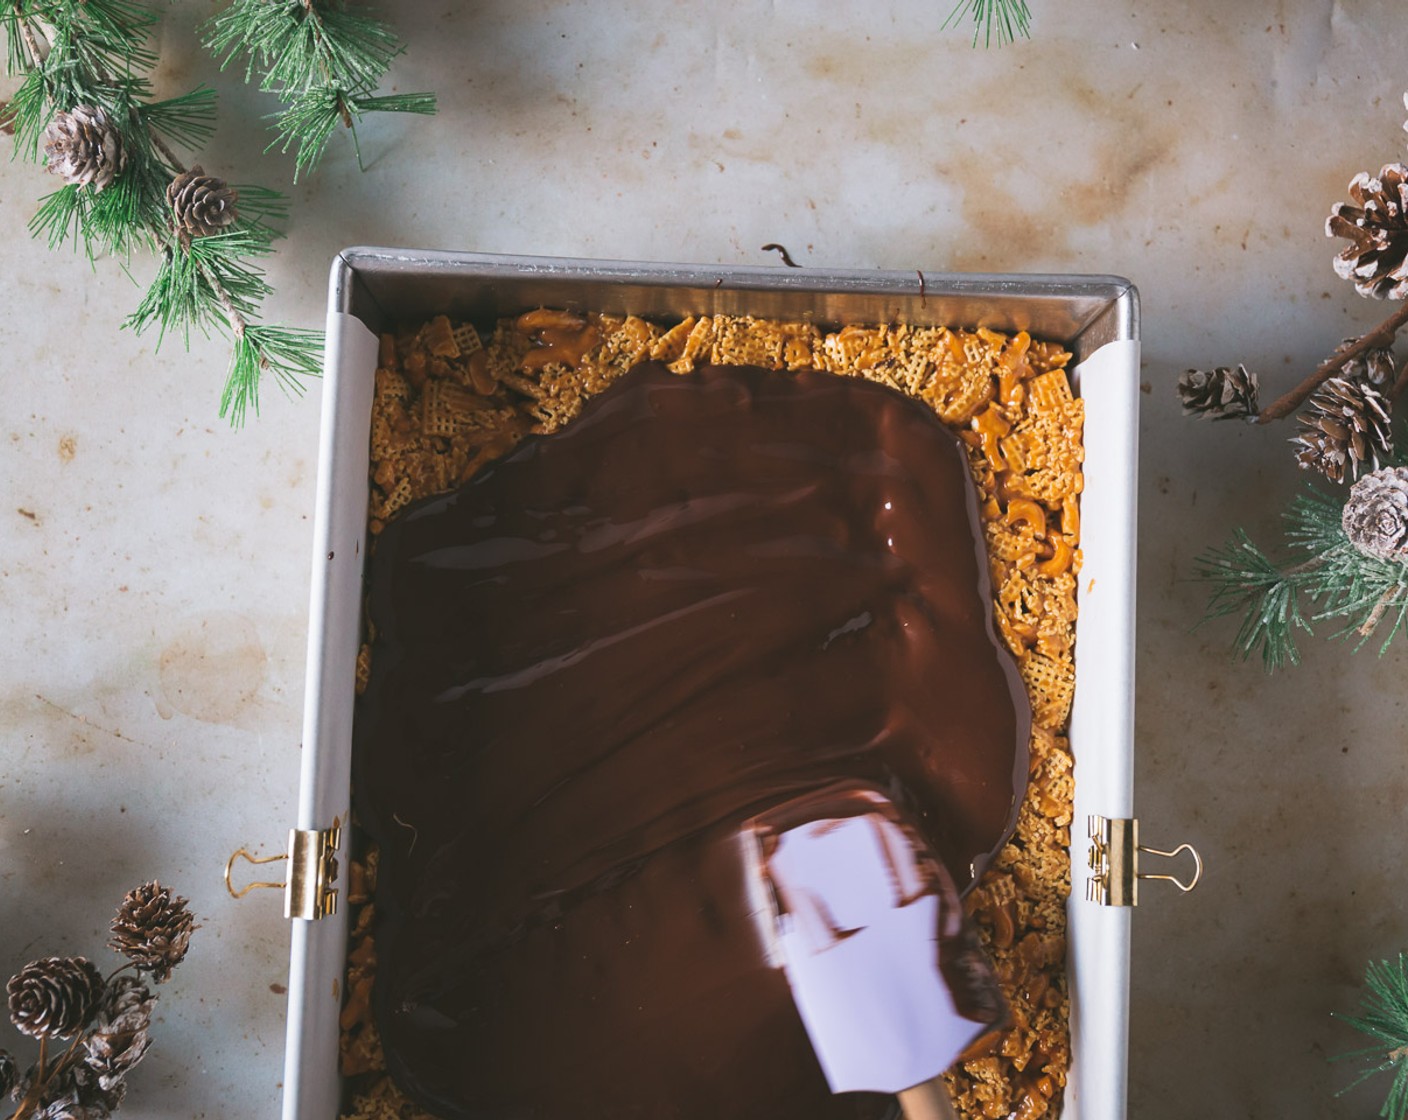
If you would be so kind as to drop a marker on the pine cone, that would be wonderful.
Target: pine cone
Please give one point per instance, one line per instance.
(71, 1093)
(153, 930)
(125, 996)
(1219, 394)
(120, 1035)
(83, 147)
(115, 1049)
(1377, 227)
(55, 997)
(63, 1108)
(1346, 424)
(9, 1072)
(75, 1106)
(1377, 367)
(201, 203)
(1375, 517)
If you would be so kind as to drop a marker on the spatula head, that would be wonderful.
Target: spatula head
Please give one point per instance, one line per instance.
(886, 974)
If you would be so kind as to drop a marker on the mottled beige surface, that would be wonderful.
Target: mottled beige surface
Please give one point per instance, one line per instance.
(154, 570)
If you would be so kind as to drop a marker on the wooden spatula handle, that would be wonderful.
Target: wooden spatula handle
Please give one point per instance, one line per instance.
(929, 1101)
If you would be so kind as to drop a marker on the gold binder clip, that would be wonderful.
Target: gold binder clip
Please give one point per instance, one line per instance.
(1114, 859)
(312, 869)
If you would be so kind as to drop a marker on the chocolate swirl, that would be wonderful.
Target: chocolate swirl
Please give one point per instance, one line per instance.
(593, 662)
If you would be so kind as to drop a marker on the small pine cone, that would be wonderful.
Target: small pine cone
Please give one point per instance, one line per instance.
(116, 1047)
(1346, 425)
(24, 1084)
(73, 1093)
(1376, 258)
(9, 1072)
(1219, 394)
(55, 997)
(153, 930)
(201, 203)
(74, 1106)
(1375, 517)
(125, 996)
(65, 1107)
(83, 148)
(1377, 367)
(120, 1035)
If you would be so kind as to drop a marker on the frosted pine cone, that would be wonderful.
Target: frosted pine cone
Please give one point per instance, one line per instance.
(153, 930)
(201, 204)
(1219, 394)
(118, 1041)
(1375, 518)
(1345, 427)
(72, 1092)
(67, 1107)
(125, 996)
(1376, 225)
(1377, 367)
(83, 147)
(55, 997)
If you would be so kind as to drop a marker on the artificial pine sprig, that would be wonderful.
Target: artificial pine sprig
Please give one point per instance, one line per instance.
(1385, 1020)
(1347, 557)
(1009, 18)
(322, 59)
(84, 97)
(1324, 576)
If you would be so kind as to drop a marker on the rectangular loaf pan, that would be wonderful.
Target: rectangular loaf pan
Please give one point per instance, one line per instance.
(1096, 317)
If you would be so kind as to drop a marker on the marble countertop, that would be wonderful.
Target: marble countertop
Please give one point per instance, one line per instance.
(154, 573)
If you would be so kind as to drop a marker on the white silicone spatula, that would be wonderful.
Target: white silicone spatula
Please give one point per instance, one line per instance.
(860, 914)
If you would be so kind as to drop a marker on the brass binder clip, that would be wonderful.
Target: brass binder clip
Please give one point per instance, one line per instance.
(1114, 859)
(312, 869)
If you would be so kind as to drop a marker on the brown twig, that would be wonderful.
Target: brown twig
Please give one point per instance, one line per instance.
(1370, 624)
(27, 33)
(238, 323)
(1381, 337)
(160, 145)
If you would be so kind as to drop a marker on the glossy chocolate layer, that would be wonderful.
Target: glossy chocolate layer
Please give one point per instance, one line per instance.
(594, 662)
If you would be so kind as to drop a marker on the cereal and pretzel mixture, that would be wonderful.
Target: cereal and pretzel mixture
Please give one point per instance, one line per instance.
(449, 400)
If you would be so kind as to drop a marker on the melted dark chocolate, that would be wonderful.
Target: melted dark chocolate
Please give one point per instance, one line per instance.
(594, 662)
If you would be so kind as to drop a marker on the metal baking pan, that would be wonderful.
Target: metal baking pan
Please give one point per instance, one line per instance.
(1096, 317)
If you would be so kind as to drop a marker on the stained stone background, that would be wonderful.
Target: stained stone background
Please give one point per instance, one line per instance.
(154, 568)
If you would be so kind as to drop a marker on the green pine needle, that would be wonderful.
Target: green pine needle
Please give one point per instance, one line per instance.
(261, 206)
(16, 53)
(1248, 583)
(112, 36)
(187, 121)
(29, 116)
(1385, 1020)
(422, 103)
(1325, 572)
(173, 300)
(307, 124)
(58, 217)
(289, 356)
(323, 60)
(1010, 18)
